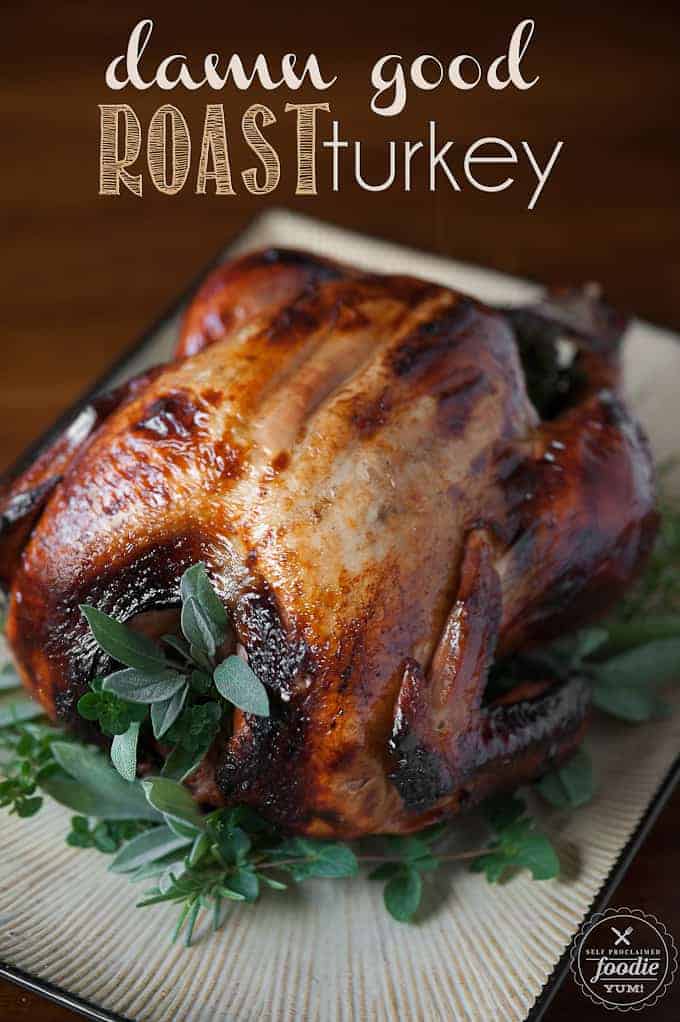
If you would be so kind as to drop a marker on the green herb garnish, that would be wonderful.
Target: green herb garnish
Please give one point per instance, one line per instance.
(182, 692)
(105, 836)
(571, 785)
(177, 691)
(517, 844)
(25, 760)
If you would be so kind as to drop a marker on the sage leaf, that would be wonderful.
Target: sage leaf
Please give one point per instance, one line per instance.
(178, 644)
(19, 710)
(173, 861)
(655, 663)
(122, 643)
(626, 684)
(201, 659)
(200, 847)
(124, 752)
(170, 874)
(634, 705)
(174, 800)
(9, 679)
(139, 687)
(639, 632)
(182, 762)
(196, 585)
(63, 789)
(268, 881)
(104, 792)
(164, 715)
(588, 641)
(237, 683)
(575, 648)
(197, 628)
(571, 785)
(244, 881)
(403, 893)
(147, 848)
(181, 827)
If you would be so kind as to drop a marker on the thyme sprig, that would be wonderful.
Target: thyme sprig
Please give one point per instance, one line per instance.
(25, 761)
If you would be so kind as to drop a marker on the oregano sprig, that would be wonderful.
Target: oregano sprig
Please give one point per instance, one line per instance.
(517, 843)
(571, 784)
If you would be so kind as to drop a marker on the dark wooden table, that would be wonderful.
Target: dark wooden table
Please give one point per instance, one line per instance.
(82, 274)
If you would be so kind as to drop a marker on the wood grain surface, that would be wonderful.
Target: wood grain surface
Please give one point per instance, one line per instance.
(82, 275)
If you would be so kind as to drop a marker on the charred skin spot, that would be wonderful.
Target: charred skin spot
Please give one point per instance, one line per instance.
(181, 423)
(549, 718)
(419, 774)
(262, 766)
(459, 398)
(281, 461)
(212, 396)
(173, 416)
(316, 307)
(293, 323)
(276, 656)
(108, 402)
(416, 355)
(369, 416)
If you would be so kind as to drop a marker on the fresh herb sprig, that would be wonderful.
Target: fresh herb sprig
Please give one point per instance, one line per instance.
(203, 862)
(182, 690)
(570, 785)
(626, 671)
(105, 836)
(517, 843)
(25, 761)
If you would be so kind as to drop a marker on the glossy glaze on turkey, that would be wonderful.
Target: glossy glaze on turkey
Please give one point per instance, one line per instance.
(383, 512)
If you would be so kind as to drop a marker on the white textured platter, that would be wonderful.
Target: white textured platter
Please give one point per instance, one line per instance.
(330, 953)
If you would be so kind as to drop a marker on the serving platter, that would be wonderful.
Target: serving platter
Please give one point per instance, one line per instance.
(329, 952)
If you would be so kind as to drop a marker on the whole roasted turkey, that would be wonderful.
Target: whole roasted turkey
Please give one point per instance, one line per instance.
(383, 510)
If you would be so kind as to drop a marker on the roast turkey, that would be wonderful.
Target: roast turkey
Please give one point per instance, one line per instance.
(392, 487)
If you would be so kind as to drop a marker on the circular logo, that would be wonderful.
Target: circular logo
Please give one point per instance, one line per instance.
(624, 959)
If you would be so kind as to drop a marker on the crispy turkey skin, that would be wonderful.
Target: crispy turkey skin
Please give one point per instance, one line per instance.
(381, 509)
